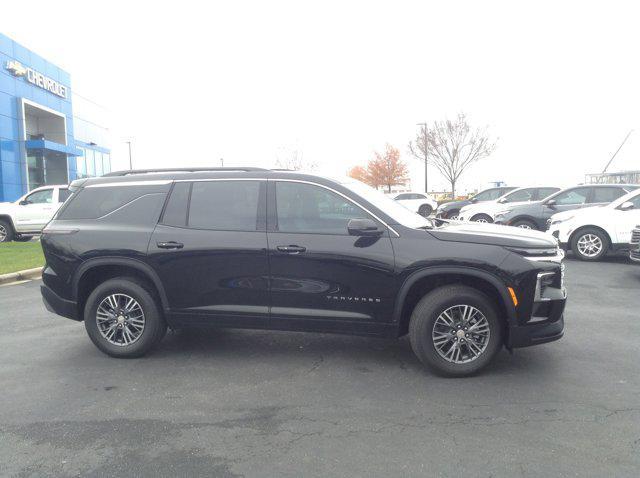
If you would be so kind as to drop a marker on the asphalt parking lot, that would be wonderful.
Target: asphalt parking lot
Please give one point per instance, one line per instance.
(245, 403)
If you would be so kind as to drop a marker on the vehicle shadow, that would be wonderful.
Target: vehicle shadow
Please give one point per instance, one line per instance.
(275, 348)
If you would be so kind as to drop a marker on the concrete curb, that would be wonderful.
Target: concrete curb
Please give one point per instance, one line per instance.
(21, 275)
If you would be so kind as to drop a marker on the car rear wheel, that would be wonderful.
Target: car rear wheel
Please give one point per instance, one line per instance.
(425, 210)
(482, 218)
(589, 244)
(455, 330)
(6, 231)
(524, 224)
(122, 318)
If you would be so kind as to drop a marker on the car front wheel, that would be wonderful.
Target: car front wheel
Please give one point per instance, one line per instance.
(482, 218)
(6, 231)
(455, 330)
(589, 244)
(123, 319)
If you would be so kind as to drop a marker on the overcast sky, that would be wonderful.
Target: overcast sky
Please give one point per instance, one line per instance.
(192, 82)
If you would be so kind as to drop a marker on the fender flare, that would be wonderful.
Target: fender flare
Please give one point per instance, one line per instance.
(526, 217)
(146, 269)
(461, 270)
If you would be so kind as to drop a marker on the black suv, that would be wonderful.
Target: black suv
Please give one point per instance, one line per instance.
(136, 252)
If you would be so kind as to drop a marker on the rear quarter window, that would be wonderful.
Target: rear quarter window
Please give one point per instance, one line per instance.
(96, 202)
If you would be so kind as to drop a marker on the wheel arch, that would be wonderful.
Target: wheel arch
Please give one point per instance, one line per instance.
(95, 271)
(9, 219)
(424, 281)
(590, 226)
(526, 217)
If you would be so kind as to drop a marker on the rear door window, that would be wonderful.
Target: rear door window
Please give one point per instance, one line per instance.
(224, 205)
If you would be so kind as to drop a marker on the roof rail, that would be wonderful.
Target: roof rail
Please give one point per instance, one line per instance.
(178, 170)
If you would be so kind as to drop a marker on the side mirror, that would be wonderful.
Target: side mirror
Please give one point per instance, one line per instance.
(24, 202)
(502, 200)
(551, 203)
(625, 206)
(473, 200)
(363, 227)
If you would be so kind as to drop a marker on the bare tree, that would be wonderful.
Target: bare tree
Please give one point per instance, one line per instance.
(293, 159)
(452, 146)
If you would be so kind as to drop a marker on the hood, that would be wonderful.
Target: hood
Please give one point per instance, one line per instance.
(5, 206)
(493, 234)
(577, 212)
(454, 204)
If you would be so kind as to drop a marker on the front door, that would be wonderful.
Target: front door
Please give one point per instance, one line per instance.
(210, 251)
(35, 210)
(320, 273)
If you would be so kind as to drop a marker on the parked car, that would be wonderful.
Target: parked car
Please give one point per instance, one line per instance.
(421, 203)
(27, 216)
(535, 215)
(634, 245)
(485, 211)
(592, 232)
(451, 209)
(132, 254)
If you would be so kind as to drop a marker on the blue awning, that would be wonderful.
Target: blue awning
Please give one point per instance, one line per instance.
(47, 145)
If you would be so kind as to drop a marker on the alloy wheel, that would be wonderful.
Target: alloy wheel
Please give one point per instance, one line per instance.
(590, 245)
(120, 319)
(524, 226)
(3, 233)
(461, 334)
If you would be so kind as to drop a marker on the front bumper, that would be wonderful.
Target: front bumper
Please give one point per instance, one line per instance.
(536, 333)
(546, 323)
(56, 304)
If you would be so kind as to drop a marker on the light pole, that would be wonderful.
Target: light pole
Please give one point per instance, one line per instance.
(222, 162)
(426, 147)
(130, 162)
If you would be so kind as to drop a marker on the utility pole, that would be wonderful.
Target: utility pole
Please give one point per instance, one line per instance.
(426, 148)
(130, 162)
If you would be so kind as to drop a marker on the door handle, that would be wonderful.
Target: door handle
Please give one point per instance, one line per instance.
(291, 249)
(170, 245)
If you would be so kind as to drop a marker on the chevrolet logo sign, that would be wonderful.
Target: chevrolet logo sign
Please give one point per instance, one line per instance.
(36, 78)
(16, 68)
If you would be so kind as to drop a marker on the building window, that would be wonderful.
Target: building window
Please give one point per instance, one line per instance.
(98, 156)
(81, 165)
(106, 163)
(91, 165)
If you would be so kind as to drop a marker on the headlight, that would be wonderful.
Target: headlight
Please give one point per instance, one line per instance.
(558, 221)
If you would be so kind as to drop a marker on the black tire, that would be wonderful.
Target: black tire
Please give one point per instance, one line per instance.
(482, 218)
(6, 231)
(580, 252)
(423, 321)
(425, 210)
(453, 214)
(524, 224)
(22, 238)
(155, 326)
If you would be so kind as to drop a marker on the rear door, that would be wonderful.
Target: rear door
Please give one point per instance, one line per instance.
(319, 273)
(210, 251)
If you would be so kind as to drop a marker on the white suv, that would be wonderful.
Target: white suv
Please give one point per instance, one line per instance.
(28, 215)
(593, 231)
(421, 203)
(486, 211)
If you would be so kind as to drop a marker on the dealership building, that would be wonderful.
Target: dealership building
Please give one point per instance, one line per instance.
(48, 134)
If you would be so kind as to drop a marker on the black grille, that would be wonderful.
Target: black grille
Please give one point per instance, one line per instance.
(635, 236)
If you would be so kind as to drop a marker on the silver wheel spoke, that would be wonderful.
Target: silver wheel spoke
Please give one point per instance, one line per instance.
(461, 334)
(120, 319)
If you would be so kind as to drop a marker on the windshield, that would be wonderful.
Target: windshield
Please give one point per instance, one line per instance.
(400, 214)
(625, 198)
